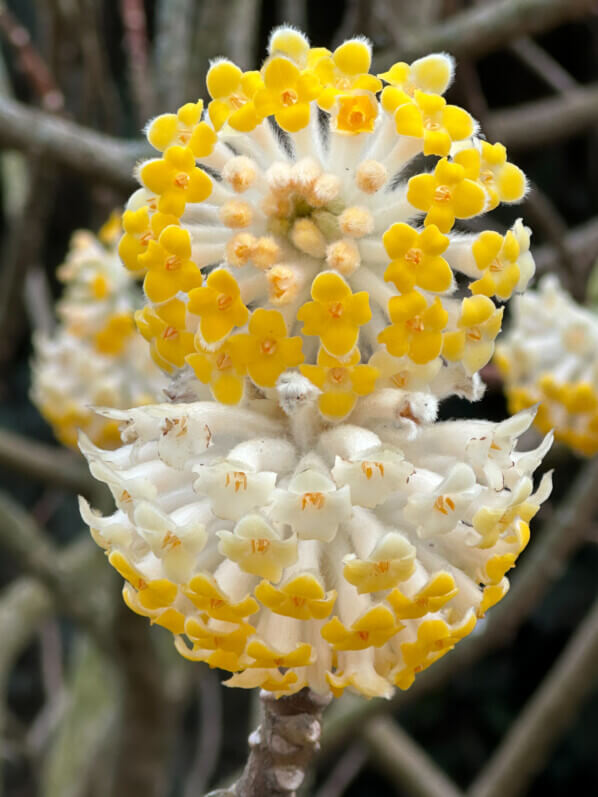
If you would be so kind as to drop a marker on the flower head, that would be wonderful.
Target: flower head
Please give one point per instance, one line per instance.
(95, 356)
(326, 519)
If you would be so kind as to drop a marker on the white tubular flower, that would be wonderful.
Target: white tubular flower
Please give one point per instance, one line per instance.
(95, 357)
(353, 566)
(303, 292)
(549, 357)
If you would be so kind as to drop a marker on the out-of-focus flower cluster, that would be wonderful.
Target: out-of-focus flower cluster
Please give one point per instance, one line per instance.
(550, 357)
(298, 517)
(95, 357)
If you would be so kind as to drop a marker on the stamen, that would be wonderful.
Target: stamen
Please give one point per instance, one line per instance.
(240, 172)
(343, 256)
(240, 248)
(236, 214)
(356, 222)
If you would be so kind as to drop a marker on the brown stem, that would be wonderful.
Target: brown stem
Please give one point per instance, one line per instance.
(282, 747)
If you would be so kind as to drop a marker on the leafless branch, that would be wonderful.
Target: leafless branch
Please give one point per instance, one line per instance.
(543, 65)
(209, 735)
(173, 51)
(345, 771)
(544, 719)
(484, 28)
(404, 762)
(136, 45)
(93, 155)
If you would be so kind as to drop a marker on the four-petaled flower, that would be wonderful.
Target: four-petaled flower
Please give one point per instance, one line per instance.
(496, 256)
(473, 342)
(416, 258)
(232, 93)
(341, 382)
(302, 597)
(355, 113)
(335, 314)
(140, 228)
(432, 74)
(257, 548)
(267, 350)
(287, 93)
(169, 265)
(169, 341)
(391, 561)
(447, 194)
(223, 370)
(428, 117)
(345, 70)
(219, 305)
(416, 327)
(503, 181)
(176, 179)
(184, 128)
(440, 511)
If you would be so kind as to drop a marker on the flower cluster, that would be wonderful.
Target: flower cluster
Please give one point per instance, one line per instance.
(298, 517)
(95, 357)
(550, 357)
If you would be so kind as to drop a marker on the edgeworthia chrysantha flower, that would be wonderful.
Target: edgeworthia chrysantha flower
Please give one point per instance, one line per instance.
(550, 357)
(95, 357)
(297, 516)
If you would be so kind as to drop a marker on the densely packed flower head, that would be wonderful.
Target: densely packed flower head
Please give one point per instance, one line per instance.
(95, 357)
(550, 357)
(298, 517)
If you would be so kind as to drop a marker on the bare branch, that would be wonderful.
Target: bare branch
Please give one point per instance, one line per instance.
(546, 716)
(581, 243)
(209, 736)
(405, 762)
(484, 28)
(173, 51)
(294, 12)
(544, 121)
(242, 35)
(48, 464)
(345, 771)
(93, 155)
(136, 44)
(543, 65)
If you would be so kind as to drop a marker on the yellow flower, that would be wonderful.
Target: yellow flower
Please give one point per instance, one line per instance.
(439, 589)
(176, 179)
(335, 314)
(416, 258)
(432, 73)
(257, 548)
(111, 339)
(223, 370)
(428, 117)
(503, 181)
(219, 306)
(392, 561)
(344, 70)
(204, 592)
(169, 340)
(446, 194)
(416, 327)
(169, 265)
(302, 597)
(356, 113)
(184, 128)
(267, 349)
(473, 343)
(372, 629)
(496, 256)
(232, 93)
(340, 382)
(287, 93)
(140, 228)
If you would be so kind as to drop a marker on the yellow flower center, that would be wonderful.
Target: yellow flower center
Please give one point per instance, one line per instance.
(442, 194)
(335, 309)
(268, 346)
(400, 379)
(223, 361)
(416, 324)
(317, 500)
(184, 136)
(444, 504)
(430, 124)
(172, 263)
(237, 478)
(496, 265)
(487, 176)
(369, 467)
(474, 334)
(237, 101)
(224, 301)
(382, 567)
(182, 180)
(152, 203)
(356, 118)
(145, 238)
(260, 545)
(170, 541)
(414, 256)
(288, 97)
(338, 375)
(343, 83)
(170, 332)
